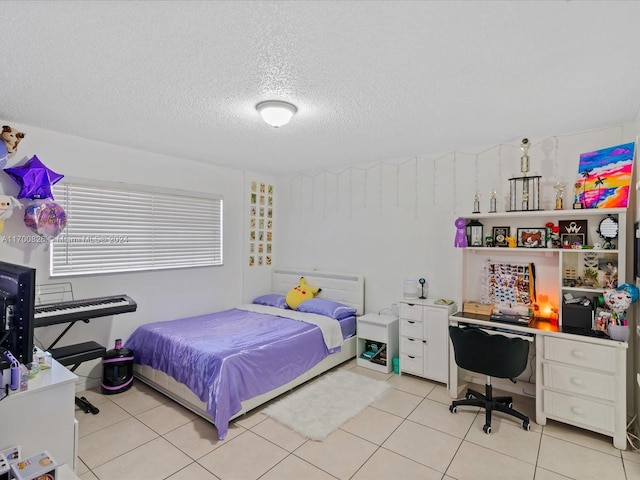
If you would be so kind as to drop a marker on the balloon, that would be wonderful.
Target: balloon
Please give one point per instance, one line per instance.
(617, 300)
(34, 178)
(46, 218)
(631, 289)
(7, 204)
(4, 154)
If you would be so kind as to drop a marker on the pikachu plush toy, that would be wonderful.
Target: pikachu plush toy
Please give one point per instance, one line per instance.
(301, 292)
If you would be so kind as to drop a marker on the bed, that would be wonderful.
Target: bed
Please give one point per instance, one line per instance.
(223, 364)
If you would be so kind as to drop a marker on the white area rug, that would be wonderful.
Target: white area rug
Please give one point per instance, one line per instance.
(317, 409)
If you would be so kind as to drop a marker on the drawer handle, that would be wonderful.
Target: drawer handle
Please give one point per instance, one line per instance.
(410, 321)
(577, 381)
(577, 410)
(578, 353)
(410, 356)
(411, 339)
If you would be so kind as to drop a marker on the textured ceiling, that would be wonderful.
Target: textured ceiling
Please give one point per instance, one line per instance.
(372, 80)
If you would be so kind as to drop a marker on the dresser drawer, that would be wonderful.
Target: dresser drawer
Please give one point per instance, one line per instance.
(411, 346)
(577, 380)
(579, 411)
(371, 331)
(587, 355)
(411, 364)
(411, 328)
(412, 312)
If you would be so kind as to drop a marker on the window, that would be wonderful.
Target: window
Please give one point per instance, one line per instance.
(126, 228)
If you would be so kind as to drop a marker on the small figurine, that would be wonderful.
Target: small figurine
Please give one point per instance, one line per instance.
(511, 241)
(488, 241)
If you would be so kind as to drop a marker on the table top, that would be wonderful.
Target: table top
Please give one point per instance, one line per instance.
(538, 326)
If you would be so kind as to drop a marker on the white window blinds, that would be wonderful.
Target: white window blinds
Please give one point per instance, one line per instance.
(128, 228)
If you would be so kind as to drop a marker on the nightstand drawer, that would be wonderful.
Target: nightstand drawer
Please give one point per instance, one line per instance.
(411, 346)
(579, 410)
(411, 328)
(587, 355)
(410, 311)
(411, 364)
(371, 331)
(577, 380)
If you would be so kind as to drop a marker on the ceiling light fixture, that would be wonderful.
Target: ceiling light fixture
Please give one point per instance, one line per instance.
(275, 112)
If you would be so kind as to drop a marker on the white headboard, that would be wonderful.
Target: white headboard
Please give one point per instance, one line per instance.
(347, 288)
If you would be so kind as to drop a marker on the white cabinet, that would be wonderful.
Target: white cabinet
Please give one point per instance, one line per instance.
(424, 338)
(42, 417)
(583, 383)
(377, 341)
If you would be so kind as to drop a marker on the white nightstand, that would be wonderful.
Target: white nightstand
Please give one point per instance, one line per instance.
(377, 341)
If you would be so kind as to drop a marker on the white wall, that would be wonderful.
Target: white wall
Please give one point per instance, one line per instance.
(160, 295)
(395, 220)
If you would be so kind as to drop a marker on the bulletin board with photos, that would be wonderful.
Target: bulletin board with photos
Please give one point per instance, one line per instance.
(510, 284)
(261, 206)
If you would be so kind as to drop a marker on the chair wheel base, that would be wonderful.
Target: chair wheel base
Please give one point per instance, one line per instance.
(486, 429)
(526, 426)
(453, 409)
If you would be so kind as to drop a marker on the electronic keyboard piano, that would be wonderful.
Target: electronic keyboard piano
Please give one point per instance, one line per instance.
(83, 310)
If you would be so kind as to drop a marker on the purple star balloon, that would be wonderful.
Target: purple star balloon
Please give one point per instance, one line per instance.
(34, 178)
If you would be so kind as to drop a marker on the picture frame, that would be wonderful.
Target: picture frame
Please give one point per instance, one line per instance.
(573, 231)
(533, 237)
(500, 235)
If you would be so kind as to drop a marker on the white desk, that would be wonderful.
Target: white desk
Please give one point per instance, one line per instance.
(42, 417)
(580, 380)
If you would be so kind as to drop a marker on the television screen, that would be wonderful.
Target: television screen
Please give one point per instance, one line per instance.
(17, 298)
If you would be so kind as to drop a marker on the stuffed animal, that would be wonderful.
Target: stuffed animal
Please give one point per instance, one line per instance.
(11, 138)
(301, 292)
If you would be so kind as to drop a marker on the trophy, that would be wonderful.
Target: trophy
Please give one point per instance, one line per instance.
(577, 204)
(524, 192)
(476, 203)
(492, 202)
(559, 188)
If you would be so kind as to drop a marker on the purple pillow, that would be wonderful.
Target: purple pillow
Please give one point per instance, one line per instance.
(272, 300)
(328, 308)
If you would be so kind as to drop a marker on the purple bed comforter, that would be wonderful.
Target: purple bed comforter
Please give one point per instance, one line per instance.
(230, 356)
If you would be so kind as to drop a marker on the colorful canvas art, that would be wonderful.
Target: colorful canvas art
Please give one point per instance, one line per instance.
(604, 177)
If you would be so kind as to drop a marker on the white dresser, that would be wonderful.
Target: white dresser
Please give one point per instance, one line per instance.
(582, 382)
(424, 338)
(43, 417)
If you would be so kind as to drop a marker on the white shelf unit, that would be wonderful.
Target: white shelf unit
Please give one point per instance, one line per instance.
(550, 263)
(382, 330)
(580, 380)
(424, 338)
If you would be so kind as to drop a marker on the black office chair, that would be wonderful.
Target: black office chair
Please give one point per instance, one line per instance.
(494, 355)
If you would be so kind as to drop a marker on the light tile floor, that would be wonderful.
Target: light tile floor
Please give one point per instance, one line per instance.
(407, 434)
